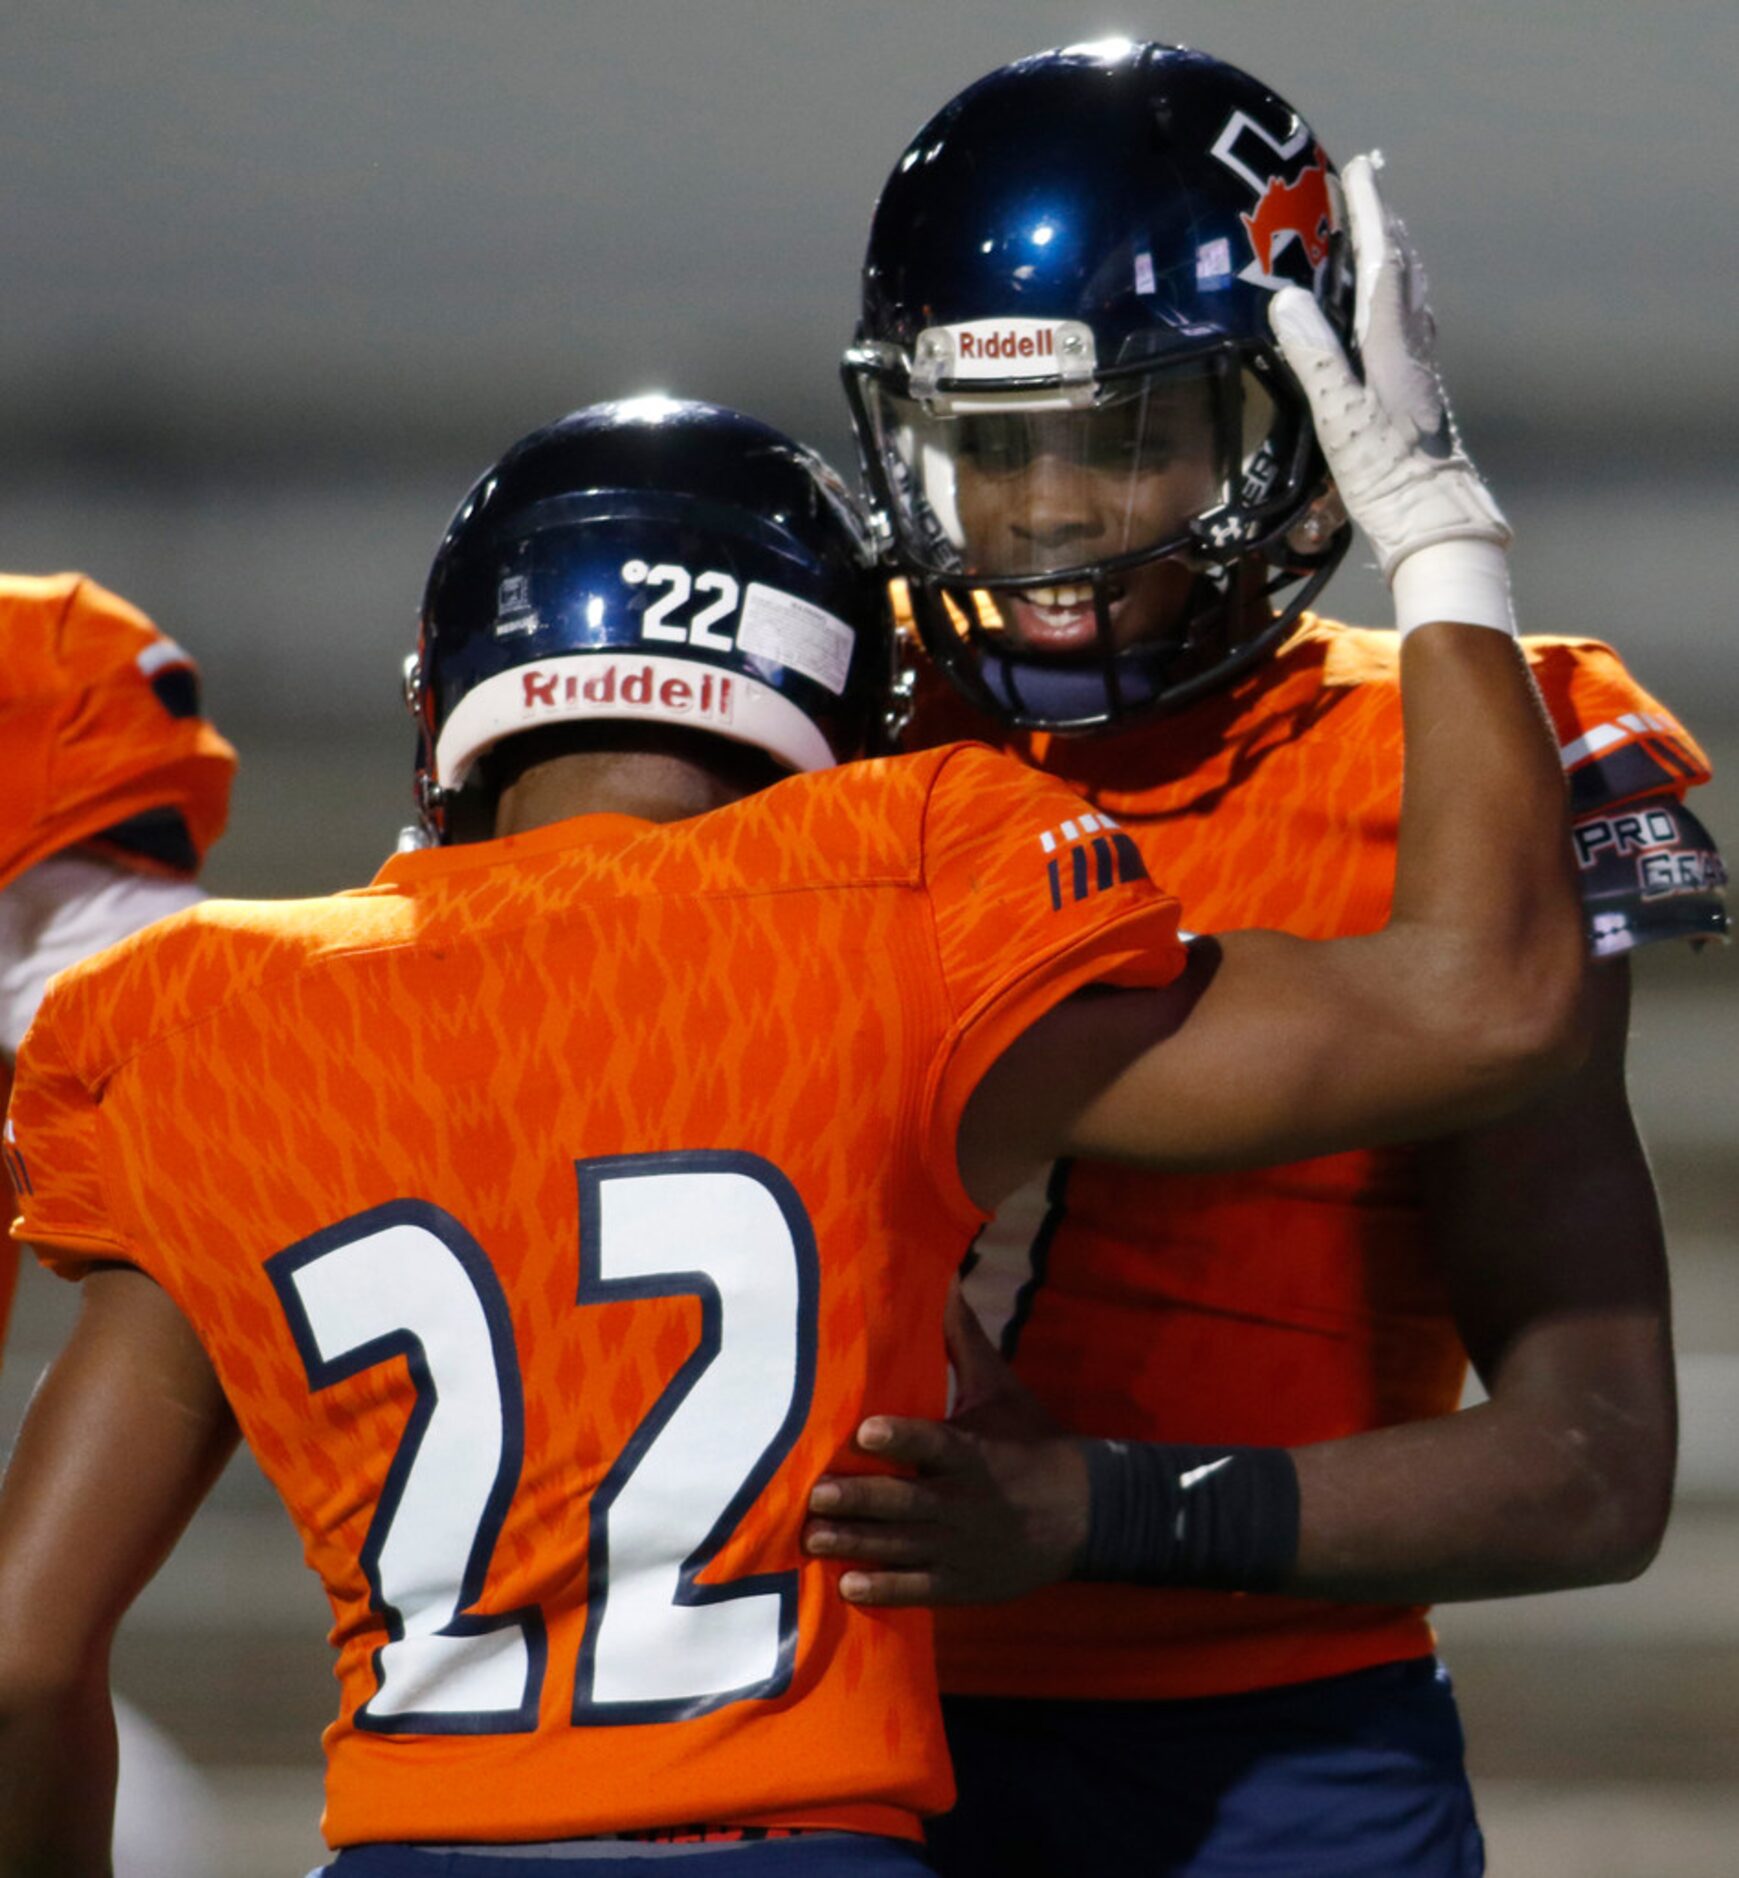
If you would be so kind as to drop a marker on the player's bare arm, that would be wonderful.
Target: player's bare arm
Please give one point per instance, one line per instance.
(124, 1437)
(1562, 1478)
(1273, 1048)
(1547, 1232)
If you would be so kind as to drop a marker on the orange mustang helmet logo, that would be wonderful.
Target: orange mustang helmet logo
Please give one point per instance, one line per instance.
(1301, 208)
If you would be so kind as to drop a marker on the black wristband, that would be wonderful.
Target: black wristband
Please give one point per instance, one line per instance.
(1223, 1519)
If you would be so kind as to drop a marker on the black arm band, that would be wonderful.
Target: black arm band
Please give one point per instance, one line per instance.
(1223, 1519)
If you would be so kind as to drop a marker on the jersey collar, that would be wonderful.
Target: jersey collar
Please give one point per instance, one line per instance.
(576, 832)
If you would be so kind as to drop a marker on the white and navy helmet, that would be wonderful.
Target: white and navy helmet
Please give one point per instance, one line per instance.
(653, 561)
(1068, 270)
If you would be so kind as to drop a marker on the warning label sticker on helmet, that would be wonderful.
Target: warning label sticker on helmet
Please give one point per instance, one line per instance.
(793, 633)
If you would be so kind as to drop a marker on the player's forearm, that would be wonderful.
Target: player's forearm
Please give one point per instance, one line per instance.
(1472, 998)
(1563, 1481)
(126, 1432)
(1496, 1501)
(57, 1778)
(1481, 782)
(1549, 1239)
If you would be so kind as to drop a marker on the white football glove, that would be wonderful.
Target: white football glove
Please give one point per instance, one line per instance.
(1391, 442)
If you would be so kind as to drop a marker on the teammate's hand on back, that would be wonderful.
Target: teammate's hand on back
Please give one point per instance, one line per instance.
(998, 1505)
(1391, 441)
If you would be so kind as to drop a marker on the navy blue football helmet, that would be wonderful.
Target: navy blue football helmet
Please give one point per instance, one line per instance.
(654, 561)
(1099, 477)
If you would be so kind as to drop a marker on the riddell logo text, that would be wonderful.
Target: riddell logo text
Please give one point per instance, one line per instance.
(708, 694)
(1009, 345)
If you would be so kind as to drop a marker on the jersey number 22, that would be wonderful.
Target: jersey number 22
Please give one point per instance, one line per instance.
(407, 1280)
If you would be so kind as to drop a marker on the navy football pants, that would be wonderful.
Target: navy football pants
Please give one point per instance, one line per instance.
(1354, 1776)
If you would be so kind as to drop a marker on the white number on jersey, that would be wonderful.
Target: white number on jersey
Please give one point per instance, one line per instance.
(658, 1645)
(406, 1280)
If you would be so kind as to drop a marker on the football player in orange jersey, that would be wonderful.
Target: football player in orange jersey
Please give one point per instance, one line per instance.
(1109, 504)
(547, 1214)
(116, 785)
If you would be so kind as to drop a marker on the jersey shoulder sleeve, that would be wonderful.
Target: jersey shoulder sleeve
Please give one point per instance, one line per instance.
(95, 1019)
(105, 1020)
(1032, 895)
(1648, 868)
(103, 726)
(1617, 740)
(54, 1153)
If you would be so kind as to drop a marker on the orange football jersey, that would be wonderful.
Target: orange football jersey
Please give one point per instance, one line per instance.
(553, 1210)
(1295, 1304)
(103, 744)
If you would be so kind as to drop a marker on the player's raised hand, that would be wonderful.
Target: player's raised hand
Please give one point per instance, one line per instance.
(1390, 441)
(996, 1504)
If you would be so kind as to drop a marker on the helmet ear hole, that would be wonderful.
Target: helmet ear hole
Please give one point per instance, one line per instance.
(1317, 527)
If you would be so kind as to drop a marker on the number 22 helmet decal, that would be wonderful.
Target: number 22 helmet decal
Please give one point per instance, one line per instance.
(652, 561)
(1100, 478)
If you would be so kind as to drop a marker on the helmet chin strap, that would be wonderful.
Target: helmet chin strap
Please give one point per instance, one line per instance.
(1107, 645)
(1222, 614)
(1079, 694)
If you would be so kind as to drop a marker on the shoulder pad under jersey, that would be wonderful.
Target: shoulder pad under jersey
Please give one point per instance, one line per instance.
(1649, 870)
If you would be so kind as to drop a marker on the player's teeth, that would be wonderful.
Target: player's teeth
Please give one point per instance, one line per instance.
(1059, 597)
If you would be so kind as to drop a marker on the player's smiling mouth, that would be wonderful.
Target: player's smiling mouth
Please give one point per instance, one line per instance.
(1060, 618)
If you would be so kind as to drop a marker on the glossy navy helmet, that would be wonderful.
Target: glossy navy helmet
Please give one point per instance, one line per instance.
(650, 561)
(1099, 476)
